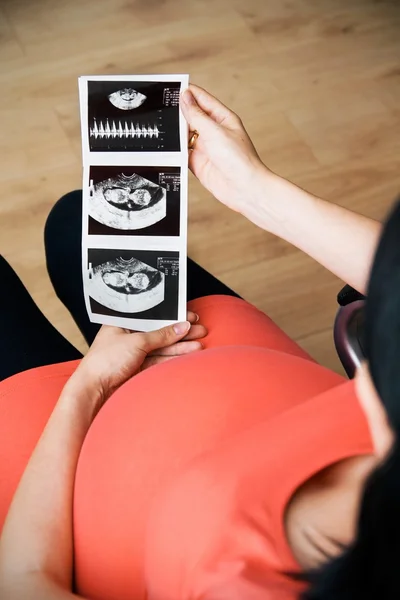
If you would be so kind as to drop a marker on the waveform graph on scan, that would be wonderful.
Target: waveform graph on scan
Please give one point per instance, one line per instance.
(133, 116)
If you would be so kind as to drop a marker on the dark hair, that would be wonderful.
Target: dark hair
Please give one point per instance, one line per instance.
(370, 567)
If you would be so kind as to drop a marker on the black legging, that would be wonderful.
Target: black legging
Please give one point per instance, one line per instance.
(27, 338)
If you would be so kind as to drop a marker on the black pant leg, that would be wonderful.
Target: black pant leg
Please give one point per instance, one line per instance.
(62, 239)
(62, 236)
(201, 283)
(27, 338)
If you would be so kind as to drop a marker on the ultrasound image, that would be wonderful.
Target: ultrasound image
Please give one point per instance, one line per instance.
(128, 286)
(133, 116)
(134, 201)
(127, 202)
(139, 284)
(127, 99)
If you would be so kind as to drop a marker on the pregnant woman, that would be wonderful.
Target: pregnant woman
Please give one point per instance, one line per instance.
(244, 471)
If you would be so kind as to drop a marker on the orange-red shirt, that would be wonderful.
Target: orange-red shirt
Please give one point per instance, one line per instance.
(185, 475)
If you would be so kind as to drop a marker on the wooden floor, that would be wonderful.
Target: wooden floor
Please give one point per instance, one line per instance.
(317, 82)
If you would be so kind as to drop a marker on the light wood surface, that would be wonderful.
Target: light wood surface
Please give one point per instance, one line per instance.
(317, 82)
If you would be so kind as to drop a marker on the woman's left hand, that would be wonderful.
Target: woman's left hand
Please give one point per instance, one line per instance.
(117, 354)
(190, 343)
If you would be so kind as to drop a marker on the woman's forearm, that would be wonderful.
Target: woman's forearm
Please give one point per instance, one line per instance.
(35, 586)
(37, 540)
(342, 241)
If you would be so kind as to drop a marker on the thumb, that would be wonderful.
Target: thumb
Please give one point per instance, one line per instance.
(194, 115)
(154, 340)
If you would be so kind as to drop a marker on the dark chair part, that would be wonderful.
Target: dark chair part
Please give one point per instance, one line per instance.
(348, 335)
(347, 295)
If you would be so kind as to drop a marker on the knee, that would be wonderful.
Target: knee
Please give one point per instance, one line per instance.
(63, 227)
(66, 211)
(7, 274)
(3, 264)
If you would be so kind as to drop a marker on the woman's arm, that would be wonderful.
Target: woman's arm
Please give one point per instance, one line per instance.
(36, 545)
(226, 163)
(342, 241)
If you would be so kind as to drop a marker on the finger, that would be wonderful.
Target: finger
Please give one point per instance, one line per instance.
(151, 361)
(196, 332)
(192, 317)
(178, 349)
(194, 115)
(147, 342)
(212, 107)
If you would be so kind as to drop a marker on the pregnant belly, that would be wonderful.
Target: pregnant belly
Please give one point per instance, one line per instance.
(150, 430)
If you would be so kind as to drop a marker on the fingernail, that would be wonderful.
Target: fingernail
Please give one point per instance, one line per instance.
(197, 318)
(181, 328)
(196, 346)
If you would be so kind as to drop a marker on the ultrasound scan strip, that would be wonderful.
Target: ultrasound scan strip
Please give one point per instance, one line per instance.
(135, 171)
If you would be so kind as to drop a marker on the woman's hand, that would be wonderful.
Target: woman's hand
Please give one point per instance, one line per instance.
(224, 158)
(117, 354)
(190, 343)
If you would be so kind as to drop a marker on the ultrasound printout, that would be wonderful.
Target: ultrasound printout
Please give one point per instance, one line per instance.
(134, 235)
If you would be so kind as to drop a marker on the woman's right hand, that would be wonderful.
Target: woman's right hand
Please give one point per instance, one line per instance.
(224, 158)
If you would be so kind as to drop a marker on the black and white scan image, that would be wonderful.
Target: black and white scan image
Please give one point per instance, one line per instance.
(140, 284)
(134, 201)
(129, 116)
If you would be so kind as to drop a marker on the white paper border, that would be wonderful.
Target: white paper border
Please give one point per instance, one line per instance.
(133, 159)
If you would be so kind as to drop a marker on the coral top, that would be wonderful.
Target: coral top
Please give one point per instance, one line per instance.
(185, 474)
